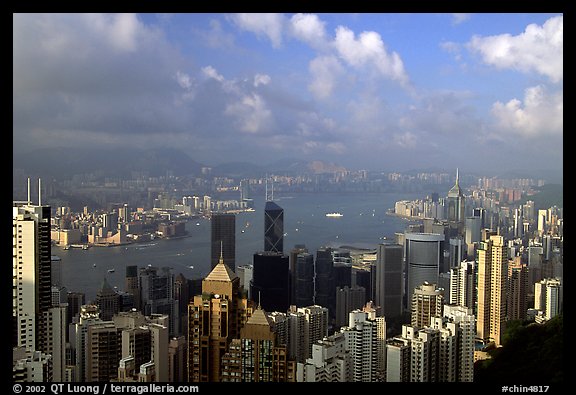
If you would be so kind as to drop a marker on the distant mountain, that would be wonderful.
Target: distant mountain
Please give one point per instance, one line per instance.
(292, 166)
(238, 169)
(65, 162)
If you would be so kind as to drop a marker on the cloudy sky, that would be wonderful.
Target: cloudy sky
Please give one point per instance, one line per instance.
(367, 91)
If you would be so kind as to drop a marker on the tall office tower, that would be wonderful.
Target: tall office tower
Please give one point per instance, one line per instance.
(182, 295)
(325, 289)
(177, 360)
(361, 336)
(31, 274)
(462, 285)
(542, 222)
(214, 319)
(131, 285)
(480, 212)
(124, 213)
(223, 239)
(303, 280)
(465, 320)
(330, 362)
(300, 328)
(348, 299)
(342, 274)
(362, 277)
(423, 253)
(55, 319)
(457, 253)
(427, 303)
(548, 298)
(157, 295)
(107, 300)
(517, 294)
(75, 301)
(388, 293)
(293, 256)
(246, 274)
(103, 351)
(273, 227)
(31, 366)
(270, 282)
(518, 223)
(492, 272)
(256, 356)
(456, 203)
(472, 234)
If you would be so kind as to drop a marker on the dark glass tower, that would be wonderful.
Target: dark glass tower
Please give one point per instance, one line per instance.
(325, 284)
(270, 281)
(224, 234)
(303, 280)
(273, 228)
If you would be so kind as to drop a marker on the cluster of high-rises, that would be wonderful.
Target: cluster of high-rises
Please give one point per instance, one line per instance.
(300, 316)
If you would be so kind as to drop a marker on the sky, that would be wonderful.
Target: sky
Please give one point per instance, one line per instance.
(367, 91)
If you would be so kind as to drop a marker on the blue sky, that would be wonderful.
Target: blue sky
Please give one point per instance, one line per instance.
(366, 91)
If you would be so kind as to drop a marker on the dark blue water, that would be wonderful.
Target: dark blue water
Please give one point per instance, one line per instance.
(364, 223)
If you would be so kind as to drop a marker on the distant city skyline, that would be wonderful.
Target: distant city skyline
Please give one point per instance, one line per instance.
(364, 91)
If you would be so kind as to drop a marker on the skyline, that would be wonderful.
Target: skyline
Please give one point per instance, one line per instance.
(360, 90)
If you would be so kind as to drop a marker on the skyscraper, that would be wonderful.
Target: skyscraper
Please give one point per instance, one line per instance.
(388, 294)
(215, 318)
(107, 300)
(270, 283)
(31, 269)
(423, 254)
(330, 361)
(303, 280)
(223, 239)
(427, 303)
(361, 336)
(492, 288)
(325, 288)
(131, 284)
(273, 227)
(455, 203)
(517, 295)
(157, 295)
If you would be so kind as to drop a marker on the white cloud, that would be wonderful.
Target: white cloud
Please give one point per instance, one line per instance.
(268, 25)
(261, 79)
(405, 140)
(541, 113)
(369, 49)
(308, 28)
(251, 113)
(183, 80)
(210, 72)
(538, 48)
(325, 71)
(459, 18)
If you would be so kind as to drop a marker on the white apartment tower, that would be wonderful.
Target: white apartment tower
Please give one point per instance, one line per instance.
(361, 336)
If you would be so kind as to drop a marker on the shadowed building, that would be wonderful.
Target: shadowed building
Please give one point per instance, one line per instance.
(273, 227)
(223, 239)
(270, 282)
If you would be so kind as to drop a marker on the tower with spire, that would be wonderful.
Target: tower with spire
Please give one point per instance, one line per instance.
(456, 203)
(215, 318)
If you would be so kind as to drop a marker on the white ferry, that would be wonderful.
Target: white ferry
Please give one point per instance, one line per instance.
(334, 215)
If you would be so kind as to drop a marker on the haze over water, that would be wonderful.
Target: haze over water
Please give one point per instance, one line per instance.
(364, 224)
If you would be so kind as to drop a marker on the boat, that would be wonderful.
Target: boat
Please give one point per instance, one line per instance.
(334, 215)
(111, 270)
(191, 267)
(197, 223)
(94, 265)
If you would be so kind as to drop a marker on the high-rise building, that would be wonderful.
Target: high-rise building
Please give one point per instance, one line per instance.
(548, 298)
(293, 256)
(398, 360)
(89, 315)
(303, 280)
(157, 295)
(361, 336)
(465, 320)
(182, 295)
(107, 300)
(103, 351)
(273, 228)
(131, 285)
(347, 300)
(256, 356)
(31, 269)
(330, 361)
(423, 254)
(31, 366)
(492, 276)
(271, 282)
(177, 359)
(325, 288)
(427, 303)
(456, 204)
(388, 293)
(462, 285)
(214, 318)
(223, 239)
(517, 295)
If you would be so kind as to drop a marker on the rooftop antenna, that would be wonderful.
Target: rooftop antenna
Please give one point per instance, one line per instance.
(456, 176)
(266, 187)
(28, 190)
(259, 305)
(39, 192)
(272, 198)
(221, 253)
